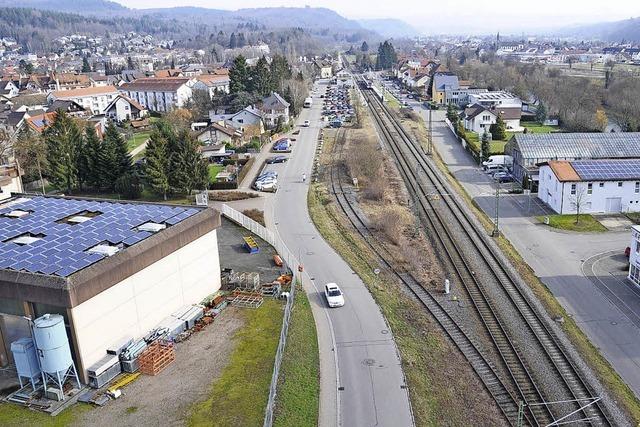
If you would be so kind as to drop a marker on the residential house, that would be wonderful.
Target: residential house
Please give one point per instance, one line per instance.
(40, 122)
(94, 99)
(72, 108)
(220, 133)
(478, 118)
(213, 152)
(590, 186)
(159, 94)
(8, 89)
(273, 108)
(248, 120)
(530, 149)
(323, 68)
(123, 108)
(213, 84)
(443, 82)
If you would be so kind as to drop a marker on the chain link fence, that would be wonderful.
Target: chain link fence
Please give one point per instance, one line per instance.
(292, 263)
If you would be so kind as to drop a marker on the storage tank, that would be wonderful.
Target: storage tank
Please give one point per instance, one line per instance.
(26, 359)
(52, 344)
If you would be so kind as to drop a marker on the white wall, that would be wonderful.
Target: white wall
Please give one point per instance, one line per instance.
(558, 194)
(634, 256)
(136, 305)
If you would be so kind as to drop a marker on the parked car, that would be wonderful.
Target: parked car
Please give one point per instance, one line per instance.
(276, 159)
(334, 295)
(502, 177)
(306, 123)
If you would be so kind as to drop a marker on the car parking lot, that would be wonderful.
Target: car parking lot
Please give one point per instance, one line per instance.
(337, 108)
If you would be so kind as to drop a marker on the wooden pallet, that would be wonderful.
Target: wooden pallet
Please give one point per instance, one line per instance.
(156, 357)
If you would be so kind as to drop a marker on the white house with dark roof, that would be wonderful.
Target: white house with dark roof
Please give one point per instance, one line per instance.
(160, 94)
(273, 107)
(478, 118)
(123, 108)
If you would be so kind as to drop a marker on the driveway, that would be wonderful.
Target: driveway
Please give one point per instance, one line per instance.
(557, 257)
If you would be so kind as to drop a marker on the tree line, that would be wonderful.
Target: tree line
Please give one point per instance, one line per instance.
(74, 157)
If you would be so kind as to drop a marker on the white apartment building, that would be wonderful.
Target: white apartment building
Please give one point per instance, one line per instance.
(160, 94)
(94, 99)
(593, 186)
(495, 99)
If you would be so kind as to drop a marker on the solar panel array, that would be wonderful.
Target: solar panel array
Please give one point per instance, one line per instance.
(63, 249)
(607, 170)
(568, 146)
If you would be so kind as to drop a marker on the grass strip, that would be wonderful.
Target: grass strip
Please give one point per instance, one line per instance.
(585, 223)
(299, 383)
(239, 397)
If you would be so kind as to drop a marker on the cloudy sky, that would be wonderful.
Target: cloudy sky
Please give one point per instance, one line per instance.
(447, 16)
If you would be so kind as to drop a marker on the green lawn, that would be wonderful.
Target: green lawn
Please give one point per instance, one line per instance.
(137, 139)
(299, 383)
(239, 397)
(213, 171)
(535, 127)
(568, 222)
(495, 147)
(17, 416)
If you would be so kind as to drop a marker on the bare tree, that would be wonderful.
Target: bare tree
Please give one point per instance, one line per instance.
(578, 200)
(623, 100)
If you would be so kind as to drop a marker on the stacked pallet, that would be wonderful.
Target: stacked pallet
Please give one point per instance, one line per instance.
(157, 356)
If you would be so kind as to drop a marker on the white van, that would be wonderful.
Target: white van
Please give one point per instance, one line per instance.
(506, 161)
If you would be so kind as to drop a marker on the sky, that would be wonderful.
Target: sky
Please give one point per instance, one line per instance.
(447, 16)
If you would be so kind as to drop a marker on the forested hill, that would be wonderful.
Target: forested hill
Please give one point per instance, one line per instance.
(619, 31)
(82, 7)
(36, 29)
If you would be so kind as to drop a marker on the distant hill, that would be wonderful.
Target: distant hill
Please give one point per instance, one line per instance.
(389, 27)
(83, 7)
(628, 30)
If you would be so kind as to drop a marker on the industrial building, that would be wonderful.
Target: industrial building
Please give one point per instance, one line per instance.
(590, 186)
(529, 150)
(111, 269)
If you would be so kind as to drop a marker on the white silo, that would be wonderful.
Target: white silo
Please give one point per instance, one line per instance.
(54, 353)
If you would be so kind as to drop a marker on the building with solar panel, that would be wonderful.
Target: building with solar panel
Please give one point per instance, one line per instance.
(591, 186)
(528, 150)
(111, 269)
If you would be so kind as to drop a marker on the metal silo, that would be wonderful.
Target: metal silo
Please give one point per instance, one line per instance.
(54, 353)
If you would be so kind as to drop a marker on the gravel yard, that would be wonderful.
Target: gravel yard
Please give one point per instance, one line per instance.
(166, 398)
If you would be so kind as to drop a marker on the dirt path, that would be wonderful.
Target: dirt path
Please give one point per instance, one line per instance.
(165, 399)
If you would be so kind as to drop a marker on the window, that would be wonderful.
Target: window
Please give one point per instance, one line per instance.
(637, 186)
(573, 188)
(619, 183)
(590, 188)
(601, 185)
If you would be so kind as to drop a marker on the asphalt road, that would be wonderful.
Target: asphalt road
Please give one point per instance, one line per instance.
(355, 338)
(559, 259)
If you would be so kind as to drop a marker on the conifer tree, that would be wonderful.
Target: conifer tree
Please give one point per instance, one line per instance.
(63, 139)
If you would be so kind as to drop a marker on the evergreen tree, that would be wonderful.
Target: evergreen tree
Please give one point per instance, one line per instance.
(288, 96)
(156, 167)
(92, 148)
(452, 114)
(114, 158)
(387, 56)
(484, 146)
(499, 129)
(173, 63)
(62, 139)
(364, 47)
(239, 75)
(130, 64)
(261, 78)
(86, 67)
(541, 113)
(193, 172)
(241, 41)
(233, 41)
(280, 71)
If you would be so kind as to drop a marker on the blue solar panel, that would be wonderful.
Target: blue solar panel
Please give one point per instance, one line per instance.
(63, 249)
(607, 170)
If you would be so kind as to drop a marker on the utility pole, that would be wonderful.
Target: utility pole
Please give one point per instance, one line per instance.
(429, 134)
(496, 229)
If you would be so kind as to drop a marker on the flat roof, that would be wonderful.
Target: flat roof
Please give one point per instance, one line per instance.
(48, 244)
(572, 145)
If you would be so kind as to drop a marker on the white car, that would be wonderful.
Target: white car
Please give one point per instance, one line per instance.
(335, 297)
(306, 123)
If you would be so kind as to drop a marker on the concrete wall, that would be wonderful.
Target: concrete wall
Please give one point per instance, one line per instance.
(137, 304)
(14, 186)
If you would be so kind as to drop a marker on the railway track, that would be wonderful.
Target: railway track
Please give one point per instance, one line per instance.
(453, 229)
(507, 403)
